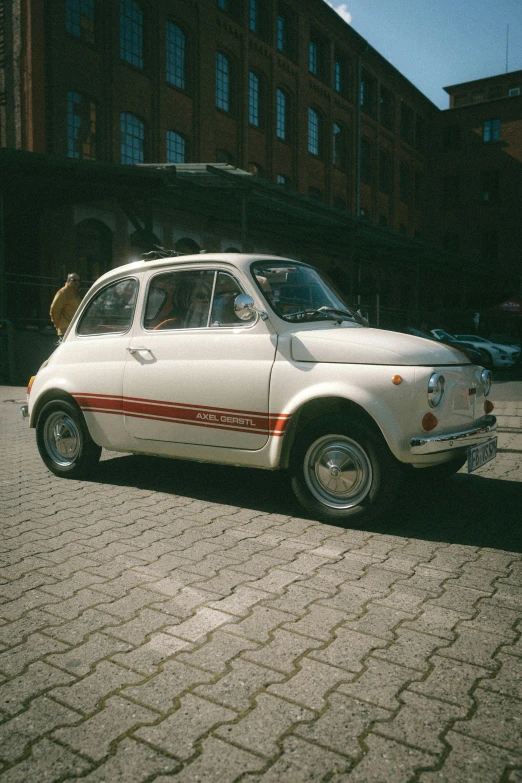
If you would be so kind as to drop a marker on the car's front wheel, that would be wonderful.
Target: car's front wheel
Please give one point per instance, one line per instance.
(64, 442)
(341, 471)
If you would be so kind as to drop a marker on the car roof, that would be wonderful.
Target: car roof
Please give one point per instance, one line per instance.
(240, 261)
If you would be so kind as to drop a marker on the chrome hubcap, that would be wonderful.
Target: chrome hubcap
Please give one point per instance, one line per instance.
(62, 439)
(338, 471)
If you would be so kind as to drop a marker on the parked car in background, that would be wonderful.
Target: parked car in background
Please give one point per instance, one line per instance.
(257, 361)
(497, 357)
(481, 342)
(475, 355)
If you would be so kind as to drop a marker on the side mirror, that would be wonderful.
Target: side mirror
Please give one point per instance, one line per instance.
(245, 309)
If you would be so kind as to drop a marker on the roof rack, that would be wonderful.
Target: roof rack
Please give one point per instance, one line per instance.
(159, 252)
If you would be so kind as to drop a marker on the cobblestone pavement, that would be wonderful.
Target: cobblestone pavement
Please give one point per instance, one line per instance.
(177, 621)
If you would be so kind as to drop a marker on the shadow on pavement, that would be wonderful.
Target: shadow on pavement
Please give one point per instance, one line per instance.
(466, 509)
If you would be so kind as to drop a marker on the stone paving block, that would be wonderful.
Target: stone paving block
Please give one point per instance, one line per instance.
(320, 623)
(217, 761)
(259, 625)
(311, 684)
(262, 727)
(14, 660)
(146, 659)
(14, 589)
(196, 628)
(18, 630)
(348, 650)
(36, 599)
(327, 581)
(378, 580)
(473, 646)
(136, 631)
(79, 660)
(85, 695)
(161, 691)
(127, 607)
(75, 631)
(452, 558)
(257, 566)
(460, 599)
(133, 762)
(41, 717)
(178, 733)
(477, 578)
(471, 760)
(342, 723)
(281, 652)
(37, 679)
(420, 721)
(351, 599)
(379, 621)
(496, 720)
(47, 763)
(237, 688)
(294, 600)
(404, 599)
(93, 737)
(427, 578)
(507, 595)
(509, 679)
(121, 585)
(275, 581)
(380, 683)
(385, 760)
(410, 649)
(437, 620)
(495, 619)
(496, 560)
(68, 587)
(225, 582)
(218, 652)
(304, 762)
(240, 602)
(80, 601)
(451, 681)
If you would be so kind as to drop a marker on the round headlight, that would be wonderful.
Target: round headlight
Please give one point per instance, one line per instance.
(435, 389)
(486, 378)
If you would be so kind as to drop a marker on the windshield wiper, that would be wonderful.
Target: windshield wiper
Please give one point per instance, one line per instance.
(323, 312)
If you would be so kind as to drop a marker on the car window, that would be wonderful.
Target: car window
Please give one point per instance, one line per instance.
(223, 313)
(111, 310)
(179, 300)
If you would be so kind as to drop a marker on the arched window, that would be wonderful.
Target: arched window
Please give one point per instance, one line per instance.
(176, 56)
(132, 138)
(176, 148)
(81, 127)
(282, 106)
(255, 100)
(338, 146)
(79, 19)
(223, 85)
(131, 33)
(314, 132)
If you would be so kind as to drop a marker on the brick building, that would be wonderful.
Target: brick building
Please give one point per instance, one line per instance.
(282, 89)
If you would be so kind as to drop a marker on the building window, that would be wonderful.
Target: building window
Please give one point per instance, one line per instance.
(513, 92)
(131, 33)
(385, 172)
(368, 94)
(254, 116)
(79, 19)
(338, 146)
(176, 53)
(132, 138)
(253, 16)
(282, 179)
(313, 57)
(314, 132)
(338, 75)
(491, 130)
(407, 123)
(282, 33)
(366, 161)
(176, 147)
(222, 82)
(387, 108)
(490, 187)
(281, 115)
(81, 127)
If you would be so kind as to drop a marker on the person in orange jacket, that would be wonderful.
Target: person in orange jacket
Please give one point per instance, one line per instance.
(65, 303)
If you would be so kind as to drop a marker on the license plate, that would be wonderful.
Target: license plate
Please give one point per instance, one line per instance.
(479, 455)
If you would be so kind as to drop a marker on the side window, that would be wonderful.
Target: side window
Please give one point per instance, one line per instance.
(179, 300)
(112, 309)
(223, 306)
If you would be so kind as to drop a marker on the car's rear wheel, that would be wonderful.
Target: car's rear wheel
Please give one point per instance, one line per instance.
(341, 471)
(64, 442)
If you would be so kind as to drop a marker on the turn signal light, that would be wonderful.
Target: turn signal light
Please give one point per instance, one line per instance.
(397, 379)
(429, 422)
(488, 406)
(31, 381)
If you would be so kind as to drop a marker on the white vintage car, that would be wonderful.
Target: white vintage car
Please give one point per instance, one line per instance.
(257, 361)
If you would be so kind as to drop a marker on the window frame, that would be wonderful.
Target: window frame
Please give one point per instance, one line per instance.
(493, 127)
(171, 57)
(93, 105)
(226, 79)
(182, 138)
(127, 55)
(314, 113)
(284, 108)
(127, 114)
(94, 298)
(81, 9)
(255, 100)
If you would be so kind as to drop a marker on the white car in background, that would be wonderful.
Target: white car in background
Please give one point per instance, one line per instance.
(512, 351)
(500, 355)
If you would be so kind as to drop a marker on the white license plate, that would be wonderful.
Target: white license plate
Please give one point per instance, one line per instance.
(479, 455)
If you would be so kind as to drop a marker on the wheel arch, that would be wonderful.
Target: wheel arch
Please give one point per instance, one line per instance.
(50, 395)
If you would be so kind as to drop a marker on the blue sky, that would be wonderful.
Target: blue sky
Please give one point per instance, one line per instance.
(437, 43)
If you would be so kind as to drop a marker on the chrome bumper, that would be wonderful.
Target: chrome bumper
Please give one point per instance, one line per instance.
(24, 411)
(454, 440)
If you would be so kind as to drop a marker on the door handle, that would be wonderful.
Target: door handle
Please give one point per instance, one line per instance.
(137, 348)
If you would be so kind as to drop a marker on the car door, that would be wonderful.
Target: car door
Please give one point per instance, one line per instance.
(195, 373)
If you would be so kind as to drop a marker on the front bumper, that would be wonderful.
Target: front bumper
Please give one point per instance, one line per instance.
(433, 444)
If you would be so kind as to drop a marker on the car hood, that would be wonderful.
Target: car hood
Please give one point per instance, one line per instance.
(370, 346)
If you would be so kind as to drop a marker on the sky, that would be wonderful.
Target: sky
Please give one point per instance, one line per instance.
(438, 43)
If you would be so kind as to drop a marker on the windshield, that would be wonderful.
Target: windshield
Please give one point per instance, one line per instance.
(300, 293)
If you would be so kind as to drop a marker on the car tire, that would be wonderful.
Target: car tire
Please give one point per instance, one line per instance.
(341, 471)
(64, 442)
